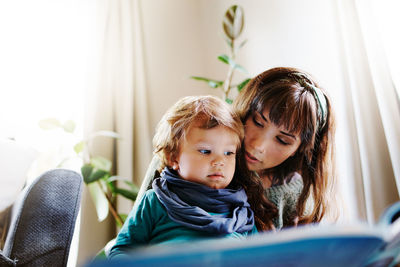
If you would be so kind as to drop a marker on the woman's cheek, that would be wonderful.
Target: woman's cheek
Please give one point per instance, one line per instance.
(279, 155)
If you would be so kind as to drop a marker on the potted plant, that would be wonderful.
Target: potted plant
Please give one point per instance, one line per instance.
(96, 171)
(232, 23)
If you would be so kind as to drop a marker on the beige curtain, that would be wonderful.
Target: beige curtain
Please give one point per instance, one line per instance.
(373, 111)
(116, 101)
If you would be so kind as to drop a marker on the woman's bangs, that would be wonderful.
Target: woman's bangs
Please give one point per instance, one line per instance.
(288, 108)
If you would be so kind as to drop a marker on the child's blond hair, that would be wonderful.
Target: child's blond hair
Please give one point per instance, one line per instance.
(206, 111)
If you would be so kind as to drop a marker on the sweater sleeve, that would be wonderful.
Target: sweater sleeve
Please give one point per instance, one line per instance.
(138, 227)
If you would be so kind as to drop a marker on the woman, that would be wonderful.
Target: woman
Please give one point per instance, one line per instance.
(289, 143)
(288, 148)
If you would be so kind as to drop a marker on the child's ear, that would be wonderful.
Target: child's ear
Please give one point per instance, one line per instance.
(173, 162)
(175, 166)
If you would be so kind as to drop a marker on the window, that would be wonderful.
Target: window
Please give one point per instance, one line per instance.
(388, 19)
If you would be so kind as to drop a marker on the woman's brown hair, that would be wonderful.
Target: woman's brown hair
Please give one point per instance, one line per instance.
(296, 102)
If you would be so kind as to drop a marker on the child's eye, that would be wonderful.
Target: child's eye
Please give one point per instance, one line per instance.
(228, 153)
(256, 122)
(205, 151)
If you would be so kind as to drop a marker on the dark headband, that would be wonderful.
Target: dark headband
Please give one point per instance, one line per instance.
(322, 109)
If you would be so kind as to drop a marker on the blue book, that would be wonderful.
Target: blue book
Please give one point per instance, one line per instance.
(310, 245)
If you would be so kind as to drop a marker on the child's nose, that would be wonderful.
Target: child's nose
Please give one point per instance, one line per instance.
(218, 161)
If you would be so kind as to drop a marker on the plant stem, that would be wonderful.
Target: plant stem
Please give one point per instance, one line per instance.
(227, 83)
(228, 80)
(110, 205)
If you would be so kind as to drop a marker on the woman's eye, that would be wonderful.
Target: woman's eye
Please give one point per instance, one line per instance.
(228, 153)
(280, 140)
(256, 122)
(205, 151)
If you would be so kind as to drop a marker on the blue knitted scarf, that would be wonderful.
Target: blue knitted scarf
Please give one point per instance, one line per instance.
(190, 204)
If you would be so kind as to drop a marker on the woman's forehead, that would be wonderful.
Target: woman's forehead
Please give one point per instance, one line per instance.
(285, 121)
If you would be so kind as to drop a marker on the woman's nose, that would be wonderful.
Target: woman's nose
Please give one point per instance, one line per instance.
(259, 144)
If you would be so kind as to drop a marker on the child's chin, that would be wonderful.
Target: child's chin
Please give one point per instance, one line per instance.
(215, 186)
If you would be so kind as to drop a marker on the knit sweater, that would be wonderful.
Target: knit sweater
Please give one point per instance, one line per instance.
(285, 197)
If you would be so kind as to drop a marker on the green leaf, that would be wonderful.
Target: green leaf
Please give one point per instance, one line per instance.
(79, 147)
(224, 58)
(210, 82)
(126, 193)
(86, 171)
(69, 126)
(97, 175)
(238, 67)
(99, 200)
(49, 124)
(243, 84)
(91, 174)
(227, 60)
(115, 178)
(133, 187)
(127, 182)
(111, 186)
(228, 100)
(242, 44)
(233, 22)
(213, 84)
(101, 163)
(110, 182)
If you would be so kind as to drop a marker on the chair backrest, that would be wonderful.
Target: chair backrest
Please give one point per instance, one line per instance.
(146, 183)
(43, 220)
(148, 177)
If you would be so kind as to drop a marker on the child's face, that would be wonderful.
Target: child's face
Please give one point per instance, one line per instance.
(207, 156)
(266, 144)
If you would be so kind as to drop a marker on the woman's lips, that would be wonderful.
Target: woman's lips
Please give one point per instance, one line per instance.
(250, 158)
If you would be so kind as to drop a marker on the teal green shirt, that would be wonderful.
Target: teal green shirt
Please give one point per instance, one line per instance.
(148, 223)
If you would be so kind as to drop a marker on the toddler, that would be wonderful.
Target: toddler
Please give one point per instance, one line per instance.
(198, 194)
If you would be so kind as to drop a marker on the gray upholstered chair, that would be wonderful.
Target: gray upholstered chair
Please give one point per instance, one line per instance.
(43, 220)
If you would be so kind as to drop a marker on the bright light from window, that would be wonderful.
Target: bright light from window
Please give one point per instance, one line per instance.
(44, 55)
(386, 12)
(43, 66)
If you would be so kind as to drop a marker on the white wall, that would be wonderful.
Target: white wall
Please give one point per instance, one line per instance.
(183, 38)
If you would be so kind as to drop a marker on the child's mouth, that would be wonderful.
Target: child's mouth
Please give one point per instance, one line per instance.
(216, 176)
